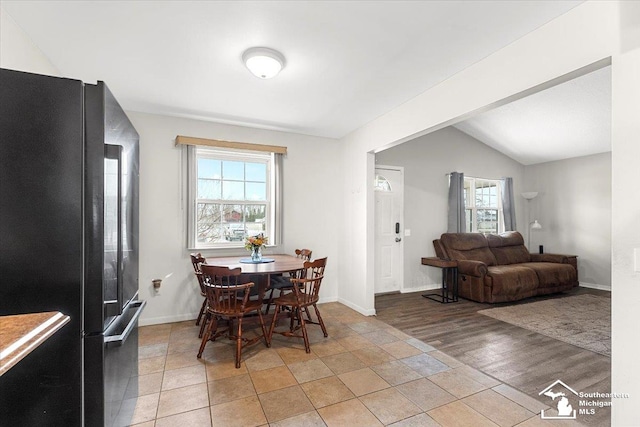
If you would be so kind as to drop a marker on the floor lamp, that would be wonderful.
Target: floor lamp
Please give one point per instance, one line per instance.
(535, 225)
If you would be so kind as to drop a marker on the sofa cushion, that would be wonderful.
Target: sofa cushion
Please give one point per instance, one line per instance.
(511, 279)
(468, 246)
(508, 248)
(551, 274)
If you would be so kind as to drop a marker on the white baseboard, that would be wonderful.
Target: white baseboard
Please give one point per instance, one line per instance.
(167, 319)
(596, 286)
(327, 299)
(429, 287)
(193, 316)
(357, 308)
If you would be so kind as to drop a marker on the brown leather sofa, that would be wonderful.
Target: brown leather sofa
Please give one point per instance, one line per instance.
(499, 268)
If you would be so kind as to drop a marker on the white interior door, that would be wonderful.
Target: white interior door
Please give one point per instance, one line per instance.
(389, 213)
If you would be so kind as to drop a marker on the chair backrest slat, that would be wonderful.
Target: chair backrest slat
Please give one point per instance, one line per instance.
(226, 294)
(307, 285)
(304, 254)
(197, 260)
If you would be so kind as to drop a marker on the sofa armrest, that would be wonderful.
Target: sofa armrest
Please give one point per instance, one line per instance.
(559, 258)
(472, 268)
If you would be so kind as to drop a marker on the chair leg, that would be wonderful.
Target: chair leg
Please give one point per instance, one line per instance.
(205, 338)
(306, 310)
(324, 330)
(269, 301)
(267, 341)
(292, 317)
(203, 325)
(204, 306)
(273, 325)
(307, 348)
(239, 343)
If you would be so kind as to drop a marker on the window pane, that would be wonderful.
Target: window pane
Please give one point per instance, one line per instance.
(232, 213)
(232, 190)
(381, 183)
(467, 192)
(468, 220)
(256, 172)
(487, 220)
(256, 191)
(233, 170)
(209, 188)
(209, 168)
(234, 227)
(255, 217)
(486, 194)
(209, 227)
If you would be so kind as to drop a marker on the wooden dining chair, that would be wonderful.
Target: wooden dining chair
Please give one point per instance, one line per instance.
(228, 299)
(282, 283)
(197, 260)
(306, 290)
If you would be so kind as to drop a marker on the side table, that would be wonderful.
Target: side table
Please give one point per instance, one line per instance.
(449, 291)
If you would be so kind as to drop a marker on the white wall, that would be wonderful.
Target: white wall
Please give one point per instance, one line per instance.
(311, 214)
(426, 161)
(589, 33)
(625, 214)
(574, 207)
(18, 52)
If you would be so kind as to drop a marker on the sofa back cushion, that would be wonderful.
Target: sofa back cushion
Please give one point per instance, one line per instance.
(467, 246)
(508, 248)
(439, 248)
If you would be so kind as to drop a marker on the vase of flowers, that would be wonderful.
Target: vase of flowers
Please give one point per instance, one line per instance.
(255, 245)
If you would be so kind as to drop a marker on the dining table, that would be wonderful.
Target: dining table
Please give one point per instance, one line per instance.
(260, 272)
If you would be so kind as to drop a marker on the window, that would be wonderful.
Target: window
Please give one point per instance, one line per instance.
(381, 184)
(483, 202)
(232, 195)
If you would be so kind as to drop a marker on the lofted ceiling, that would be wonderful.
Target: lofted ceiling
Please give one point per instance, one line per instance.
(347, 62)
(572, 119)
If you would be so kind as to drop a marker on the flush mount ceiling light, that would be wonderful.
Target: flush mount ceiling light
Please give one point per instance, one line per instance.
(263, 62)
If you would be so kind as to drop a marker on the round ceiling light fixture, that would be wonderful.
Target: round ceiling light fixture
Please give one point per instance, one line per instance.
(263, 62)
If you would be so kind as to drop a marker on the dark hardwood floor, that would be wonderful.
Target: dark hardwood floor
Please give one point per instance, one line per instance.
(523, 359)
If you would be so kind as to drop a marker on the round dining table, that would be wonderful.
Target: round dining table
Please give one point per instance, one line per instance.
(260, 272)
(281, 263)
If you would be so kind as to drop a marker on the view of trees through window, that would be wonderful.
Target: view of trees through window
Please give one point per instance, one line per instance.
(232, 198)
(483, 205)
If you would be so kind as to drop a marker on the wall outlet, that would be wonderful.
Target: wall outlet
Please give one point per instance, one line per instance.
(407, 232)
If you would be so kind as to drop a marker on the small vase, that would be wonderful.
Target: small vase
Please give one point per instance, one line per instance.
(256, 254)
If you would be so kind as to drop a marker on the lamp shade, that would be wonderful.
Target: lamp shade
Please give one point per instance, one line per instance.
(263, 62)
(529, 194)
(535, 225)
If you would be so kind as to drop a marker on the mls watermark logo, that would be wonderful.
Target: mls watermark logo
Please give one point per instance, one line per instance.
(558, 393)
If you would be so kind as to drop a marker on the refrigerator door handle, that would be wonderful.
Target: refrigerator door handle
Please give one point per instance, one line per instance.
(121, 338)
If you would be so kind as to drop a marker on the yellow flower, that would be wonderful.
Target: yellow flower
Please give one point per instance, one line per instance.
(255, 241)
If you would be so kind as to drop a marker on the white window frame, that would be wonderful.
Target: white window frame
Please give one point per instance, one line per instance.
(273, 202)
(470, 203)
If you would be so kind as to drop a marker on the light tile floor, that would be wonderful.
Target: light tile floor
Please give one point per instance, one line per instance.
(366, 373)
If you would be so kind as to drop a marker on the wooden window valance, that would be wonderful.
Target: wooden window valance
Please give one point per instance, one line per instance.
(190, 140)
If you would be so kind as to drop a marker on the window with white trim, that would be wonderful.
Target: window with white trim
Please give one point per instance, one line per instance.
(232, 195)
(483, 205)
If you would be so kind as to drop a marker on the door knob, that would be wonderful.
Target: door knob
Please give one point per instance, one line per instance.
(398, 239)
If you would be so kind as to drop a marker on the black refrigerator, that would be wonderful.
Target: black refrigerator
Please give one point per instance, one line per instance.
(69, 172)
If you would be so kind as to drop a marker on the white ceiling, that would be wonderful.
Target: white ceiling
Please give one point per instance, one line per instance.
(572, 119)
(348, 62)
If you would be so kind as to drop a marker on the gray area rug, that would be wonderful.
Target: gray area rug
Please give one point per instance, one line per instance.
(581, 320)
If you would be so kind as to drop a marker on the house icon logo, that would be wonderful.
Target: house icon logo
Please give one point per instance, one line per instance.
(558, 393)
